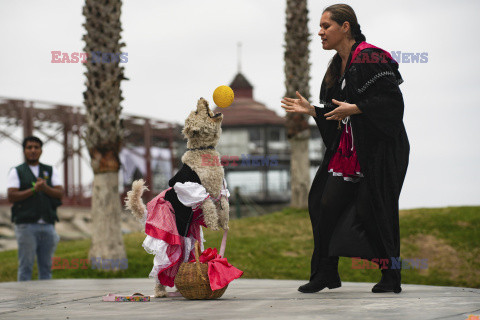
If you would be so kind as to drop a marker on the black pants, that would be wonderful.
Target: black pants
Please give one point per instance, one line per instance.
(338, 195)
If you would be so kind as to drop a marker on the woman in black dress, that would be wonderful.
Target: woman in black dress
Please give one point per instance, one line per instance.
(353, 200)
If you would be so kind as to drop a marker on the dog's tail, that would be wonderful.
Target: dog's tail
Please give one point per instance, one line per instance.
(133, 201)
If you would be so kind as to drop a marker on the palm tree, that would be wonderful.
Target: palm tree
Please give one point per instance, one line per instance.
(297, 78)
(104, 128)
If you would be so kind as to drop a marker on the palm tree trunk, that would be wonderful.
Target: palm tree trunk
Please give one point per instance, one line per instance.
(104, 127)
(297, 78)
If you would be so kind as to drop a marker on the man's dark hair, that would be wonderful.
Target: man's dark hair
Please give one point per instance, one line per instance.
(32, 139)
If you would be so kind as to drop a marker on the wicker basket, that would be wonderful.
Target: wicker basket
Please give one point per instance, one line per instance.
(192, 280)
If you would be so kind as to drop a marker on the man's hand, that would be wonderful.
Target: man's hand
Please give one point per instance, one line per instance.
(40, 185)
(342, 111)
(54, 192)
(300, 105)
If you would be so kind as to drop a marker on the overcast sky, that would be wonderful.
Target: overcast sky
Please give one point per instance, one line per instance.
(181, 50)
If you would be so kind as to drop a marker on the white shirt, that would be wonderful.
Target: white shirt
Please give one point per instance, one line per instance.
(13, 180)
(192, 194)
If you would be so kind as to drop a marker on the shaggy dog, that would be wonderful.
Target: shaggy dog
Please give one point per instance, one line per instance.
(197, 196)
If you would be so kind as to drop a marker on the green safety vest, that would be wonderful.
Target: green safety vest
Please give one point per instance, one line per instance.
(40, 205)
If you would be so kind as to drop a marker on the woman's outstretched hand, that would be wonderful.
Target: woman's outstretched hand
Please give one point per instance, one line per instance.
(343, 110)
(300, 105)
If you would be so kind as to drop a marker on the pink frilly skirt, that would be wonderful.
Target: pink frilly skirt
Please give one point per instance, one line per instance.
(164, 241)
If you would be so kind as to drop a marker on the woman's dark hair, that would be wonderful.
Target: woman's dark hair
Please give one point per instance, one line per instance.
(31, 139)
(341, 13)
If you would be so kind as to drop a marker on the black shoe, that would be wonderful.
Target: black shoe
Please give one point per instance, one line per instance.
(390, 282)
(316, 286)
(328, 277)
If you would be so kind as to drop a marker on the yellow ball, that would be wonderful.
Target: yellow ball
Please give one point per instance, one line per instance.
(223, 96)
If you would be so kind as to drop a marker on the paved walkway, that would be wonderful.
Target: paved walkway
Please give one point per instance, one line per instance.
(244, 299)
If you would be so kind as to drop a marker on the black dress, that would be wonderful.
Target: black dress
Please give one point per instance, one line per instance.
(382, 148)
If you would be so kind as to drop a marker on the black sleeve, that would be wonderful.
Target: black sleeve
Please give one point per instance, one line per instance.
(326, 127)
(379, 96)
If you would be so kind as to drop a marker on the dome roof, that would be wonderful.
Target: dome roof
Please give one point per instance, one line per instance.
(244, 111)
(240, 82)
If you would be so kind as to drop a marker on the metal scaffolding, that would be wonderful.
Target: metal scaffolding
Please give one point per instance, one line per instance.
(64, 125)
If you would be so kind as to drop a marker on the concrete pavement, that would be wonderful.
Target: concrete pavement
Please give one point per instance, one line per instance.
(244, 299)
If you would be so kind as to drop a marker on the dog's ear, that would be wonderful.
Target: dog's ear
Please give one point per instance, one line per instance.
(202, 105)
(217, 119)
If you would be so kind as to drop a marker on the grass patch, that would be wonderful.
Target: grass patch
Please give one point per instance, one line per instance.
(279, 246)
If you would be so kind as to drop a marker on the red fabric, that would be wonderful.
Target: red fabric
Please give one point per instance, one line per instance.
(365, 45)
(220, 272)
(161, 225)
(345, 160)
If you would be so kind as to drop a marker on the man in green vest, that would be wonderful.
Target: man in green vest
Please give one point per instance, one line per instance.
(35, 191)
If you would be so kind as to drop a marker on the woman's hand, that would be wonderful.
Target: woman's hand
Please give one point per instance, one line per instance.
(342, 111)
(300, 105)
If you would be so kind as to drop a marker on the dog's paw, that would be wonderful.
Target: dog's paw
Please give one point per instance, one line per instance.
(210, 215)
(159, 291)
(213, 225)
(224, 224)
(224, 214)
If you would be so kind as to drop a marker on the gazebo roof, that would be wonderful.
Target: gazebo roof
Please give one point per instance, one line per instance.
(245, 110)
(240, 82)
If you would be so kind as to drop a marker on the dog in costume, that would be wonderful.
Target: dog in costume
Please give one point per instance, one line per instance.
(197, 196)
